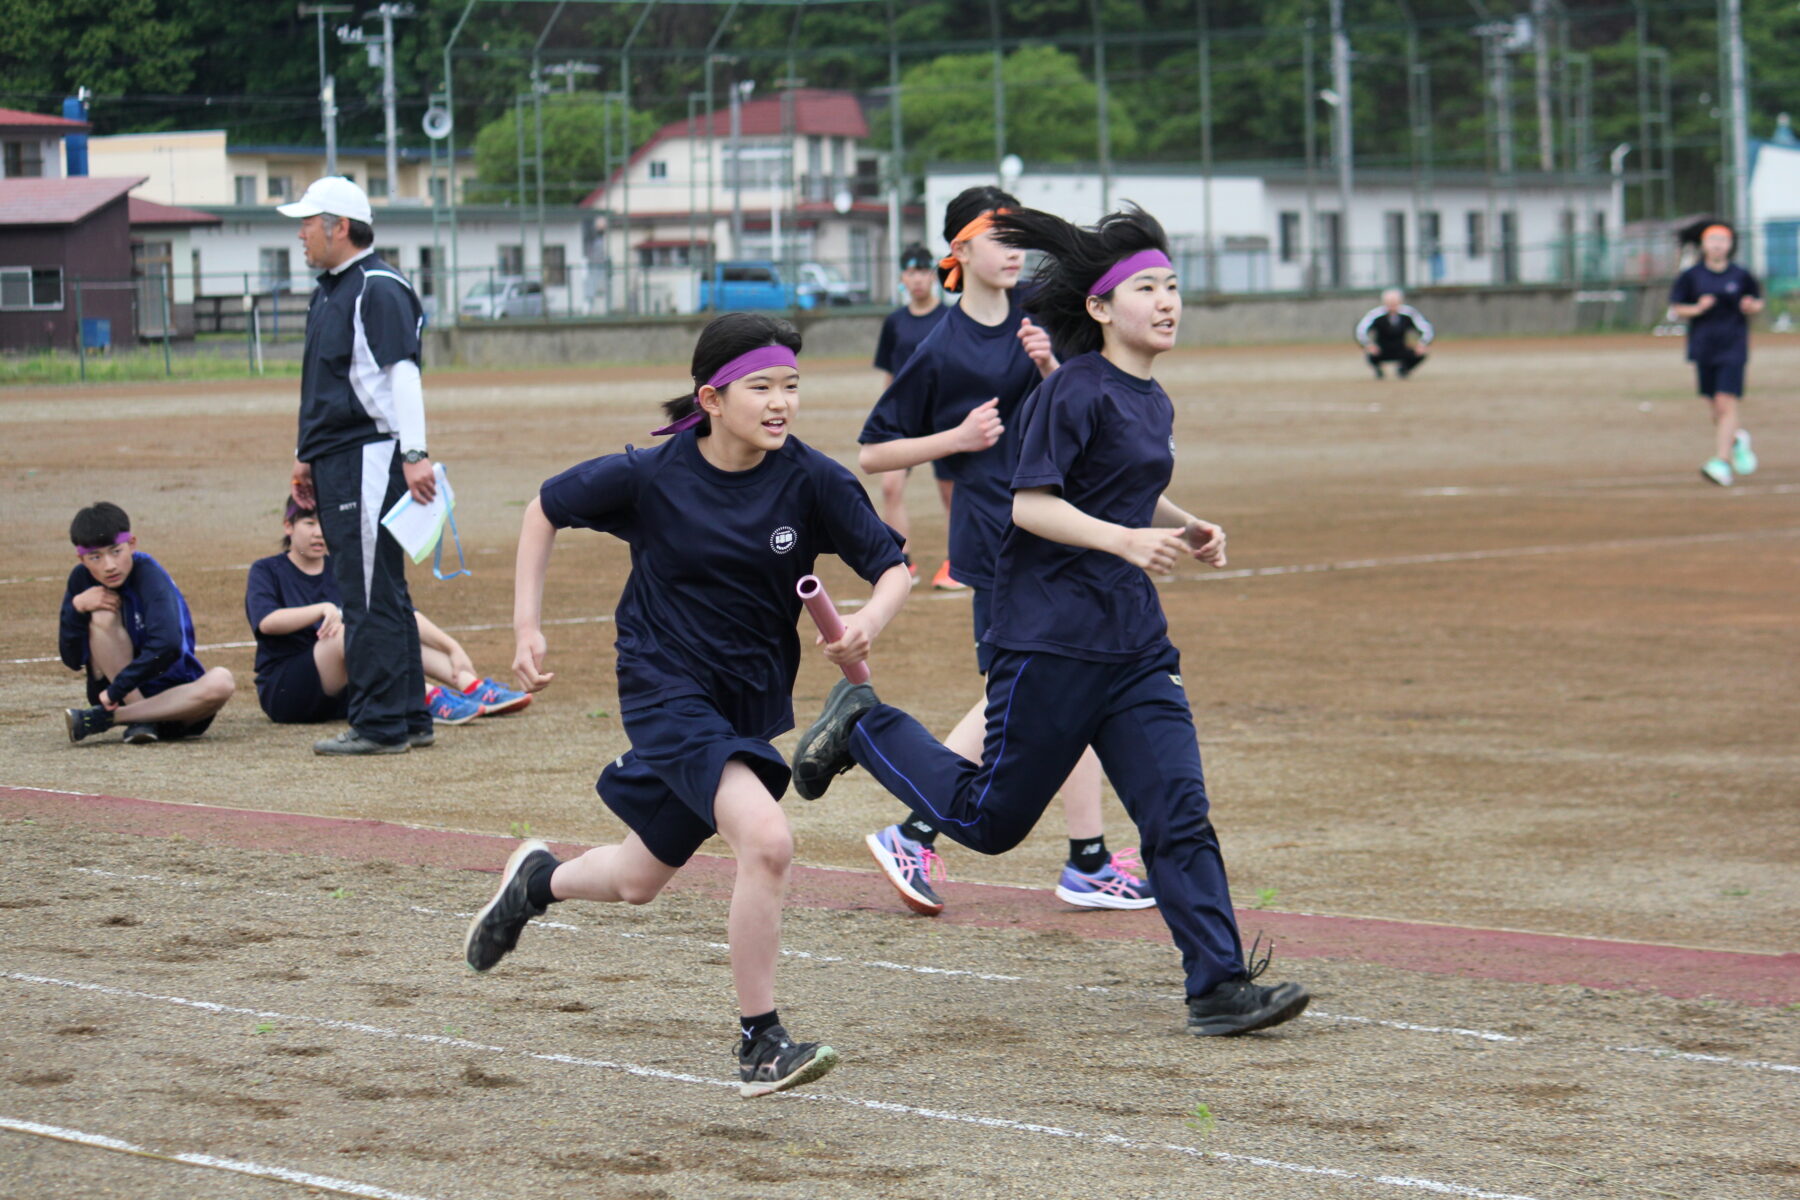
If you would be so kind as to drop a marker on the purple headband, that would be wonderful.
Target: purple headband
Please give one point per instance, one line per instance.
(118, 540)
(744, 364)
(1125, 268)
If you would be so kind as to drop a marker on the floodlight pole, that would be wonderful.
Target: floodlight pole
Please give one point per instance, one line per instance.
(1310, 135)
(1204, 52)
(999, 89)
(1344, 136)
(896, 152)
(450, 152)
(1100, 108)
(1737, 110)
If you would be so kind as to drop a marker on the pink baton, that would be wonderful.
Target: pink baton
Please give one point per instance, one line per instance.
(825, 615)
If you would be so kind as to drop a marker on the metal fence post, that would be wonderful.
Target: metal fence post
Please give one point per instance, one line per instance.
(80, 340)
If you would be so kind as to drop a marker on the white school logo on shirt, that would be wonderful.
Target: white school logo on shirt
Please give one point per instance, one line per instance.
(1171, 443)
(783, 539)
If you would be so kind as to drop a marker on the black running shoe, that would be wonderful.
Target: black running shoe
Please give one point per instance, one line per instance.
(775, 1063)
(141, 734)
(824, 750)
(86, 722)
(496, 928)
(1242, 1005)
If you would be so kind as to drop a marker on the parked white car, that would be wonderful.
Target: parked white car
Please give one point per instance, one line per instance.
(830, 286)
(497, 299)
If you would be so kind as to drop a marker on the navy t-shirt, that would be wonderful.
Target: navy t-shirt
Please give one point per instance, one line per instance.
(709, 607)
(275, 582)
(901, 334)
(1722, 333)
(157, 620)
(959, 365)
(1105, 440)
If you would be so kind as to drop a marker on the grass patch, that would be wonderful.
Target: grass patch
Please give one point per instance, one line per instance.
(142, 366)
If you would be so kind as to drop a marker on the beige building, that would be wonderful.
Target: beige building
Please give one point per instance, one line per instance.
(199, 167)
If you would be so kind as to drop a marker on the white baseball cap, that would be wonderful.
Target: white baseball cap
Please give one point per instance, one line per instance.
(331, 194)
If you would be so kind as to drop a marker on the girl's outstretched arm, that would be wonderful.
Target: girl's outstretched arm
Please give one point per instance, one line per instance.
(1042, 512)
(863, 626)
(977, 432)
(536, 539)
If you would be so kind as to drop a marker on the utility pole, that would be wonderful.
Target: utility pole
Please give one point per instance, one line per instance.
(1540, 54)
(739, 92)
(385, 49)
(1343, 142)
(1738, 87)
(327, 83)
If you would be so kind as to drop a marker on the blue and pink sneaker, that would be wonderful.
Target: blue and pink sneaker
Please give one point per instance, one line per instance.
(910, 867)
(1115, 885)
(450, 707)
(496, 700)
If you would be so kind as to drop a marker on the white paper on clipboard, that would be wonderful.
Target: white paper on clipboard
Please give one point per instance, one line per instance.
(417, 527)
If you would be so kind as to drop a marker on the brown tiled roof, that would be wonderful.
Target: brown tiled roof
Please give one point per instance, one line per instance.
(148, 212)
(13, 118)
(59, 201)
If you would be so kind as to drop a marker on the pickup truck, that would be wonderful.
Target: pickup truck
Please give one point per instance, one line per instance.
(734, 286)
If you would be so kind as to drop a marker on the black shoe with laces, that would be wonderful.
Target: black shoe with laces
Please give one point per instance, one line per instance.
(496, 928)
(774, 1062)
(86, 722)
(141, 734)
(823, 752)
(1242, 1005)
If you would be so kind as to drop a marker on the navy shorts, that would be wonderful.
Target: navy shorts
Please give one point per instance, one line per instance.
(291, 694)
(1716, 377)
(168, 731)
(984, 653)
(663, 787)
(940, 468)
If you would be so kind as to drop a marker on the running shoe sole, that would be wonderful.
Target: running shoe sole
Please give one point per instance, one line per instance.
(511, 706)
(139, 735)
(1287, 1001)
(816, 1067)
(513, 862)
(890, 867)
(1102, 899)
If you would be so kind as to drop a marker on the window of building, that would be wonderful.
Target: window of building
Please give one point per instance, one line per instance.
(391, 254)
(1431, 233)
(281, 187)
(512, 260)
(1288, 237)
(556, 267)
(766, 162)
(378, 187)
(426, 278)
(25, 159)
(243, 190)
(273, 269)
(1477, 234)
(659, 169)
(31, 287)
(1600, 226)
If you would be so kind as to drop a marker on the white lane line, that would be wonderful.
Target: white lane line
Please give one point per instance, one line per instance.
(1684, 1056)
(1350, 564)
(1486, 1035)
(601, 618)
(1456, 556)
(883, 1106)
(306, 1179)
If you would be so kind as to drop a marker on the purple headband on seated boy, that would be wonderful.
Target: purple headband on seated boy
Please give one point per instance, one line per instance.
(749, 363)
(118, 540)
(1125, 268)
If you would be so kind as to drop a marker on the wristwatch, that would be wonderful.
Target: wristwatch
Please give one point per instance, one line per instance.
(413, 456)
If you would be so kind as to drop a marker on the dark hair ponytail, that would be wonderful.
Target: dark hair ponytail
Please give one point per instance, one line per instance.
(969, 204)
(725, 338)
(1074, 258)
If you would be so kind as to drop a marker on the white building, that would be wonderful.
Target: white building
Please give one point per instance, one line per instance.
(795, 179)
(1541, 228)
(31, 144)
(1775, 211)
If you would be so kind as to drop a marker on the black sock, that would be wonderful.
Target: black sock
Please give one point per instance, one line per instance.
(537, 884)
(919, 829)
(754, 1027)
(1088, 855)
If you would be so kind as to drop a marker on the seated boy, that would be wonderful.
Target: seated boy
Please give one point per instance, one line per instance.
(295, 610)
(124, 621)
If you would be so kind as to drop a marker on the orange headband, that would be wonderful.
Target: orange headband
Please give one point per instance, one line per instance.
(974, 229)
(1724, 229)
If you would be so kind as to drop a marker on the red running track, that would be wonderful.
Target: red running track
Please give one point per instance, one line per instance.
(1678, 971)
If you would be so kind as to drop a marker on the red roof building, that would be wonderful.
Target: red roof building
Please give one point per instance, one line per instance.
(65, 255)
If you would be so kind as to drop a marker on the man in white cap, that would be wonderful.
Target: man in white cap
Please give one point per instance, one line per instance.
(361, 446)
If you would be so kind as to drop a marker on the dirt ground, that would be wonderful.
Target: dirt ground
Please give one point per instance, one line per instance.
(1488, 653)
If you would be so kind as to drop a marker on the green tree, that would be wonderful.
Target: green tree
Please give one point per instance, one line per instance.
(51, 46)
(1051, 107)
(575, 143)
